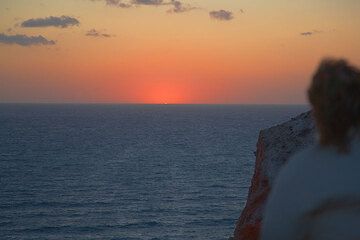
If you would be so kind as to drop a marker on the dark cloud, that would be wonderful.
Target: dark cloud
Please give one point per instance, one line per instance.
(179, 7)
(118, 3)
(222, 15)
(24, 40)
(95, 33)
(176, 5)
(63, 22)
(148, 2)
(306, 33)
(310, 33)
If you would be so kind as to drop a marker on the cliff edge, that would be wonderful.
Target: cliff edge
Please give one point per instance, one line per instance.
(275, 146)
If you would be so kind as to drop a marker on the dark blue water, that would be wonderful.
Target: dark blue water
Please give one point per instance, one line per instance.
(127, 171)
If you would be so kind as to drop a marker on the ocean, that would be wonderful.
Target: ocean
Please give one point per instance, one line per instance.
(129, 172)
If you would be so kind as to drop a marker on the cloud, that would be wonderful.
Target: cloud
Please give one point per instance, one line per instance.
(117, 3)
(95, 33)
(179, 7)
(24, 40)
(176, 5)
(222, 15)
(148, 2)
(63, 22)
(306, 33)
(310, 33)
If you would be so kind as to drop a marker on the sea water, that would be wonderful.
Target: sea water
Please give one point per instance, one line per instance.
(128, 171)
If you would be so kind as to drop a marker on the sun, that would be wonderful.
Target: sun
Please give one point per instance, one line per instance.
(166, 94)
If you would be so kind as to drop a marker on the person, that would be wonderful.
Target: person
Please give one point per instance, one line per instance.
(317, 193)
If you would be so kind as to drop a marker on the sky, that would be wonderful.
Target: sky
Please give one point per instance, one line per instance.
(170, 51)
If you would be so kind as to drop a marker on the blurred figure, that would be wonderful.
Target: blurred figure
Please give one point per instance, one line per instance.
(317, 193)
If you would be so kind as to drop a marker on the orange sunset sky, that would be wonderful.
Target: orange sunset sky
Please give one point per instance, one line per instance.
(153, 51)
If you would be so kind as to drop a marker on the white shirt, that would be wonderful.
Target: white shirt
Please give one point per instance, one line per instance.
(316, 196)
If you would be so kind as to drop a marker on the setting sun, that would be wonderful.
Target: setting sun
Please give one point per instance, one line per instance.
(165, 94)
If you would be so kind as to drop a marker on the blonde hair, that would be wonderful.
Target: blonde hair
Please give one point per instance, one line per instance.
(335, 97)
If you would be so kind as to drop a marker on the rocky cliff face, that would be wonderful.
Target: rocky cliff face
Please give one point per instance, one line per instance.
(275, 146)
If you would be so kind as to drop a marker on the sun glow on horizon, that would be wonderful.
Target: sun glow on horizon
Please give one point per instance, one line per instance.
(165, 94)
(92, 51)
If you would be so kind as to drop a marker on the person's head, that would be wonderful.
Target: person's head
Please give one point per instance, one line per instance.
(335, 98)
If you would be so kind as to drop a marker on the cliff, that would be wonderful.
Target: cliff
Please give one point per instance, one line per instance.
(275, 146)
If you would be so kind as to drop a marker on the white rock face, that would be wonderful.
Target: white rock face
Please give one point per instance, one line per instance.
(275, 146)
(284, 140)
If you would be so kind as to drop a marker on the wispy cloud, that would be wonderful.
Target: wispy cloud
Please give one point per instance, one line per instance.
(130, 3)
(310, 33)
(24, 40)
(148, 2)
(176, 5)
(118, 3)
(62, 22)
(96, 33)
(306, 33)
(179, 7)
(221, 15)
